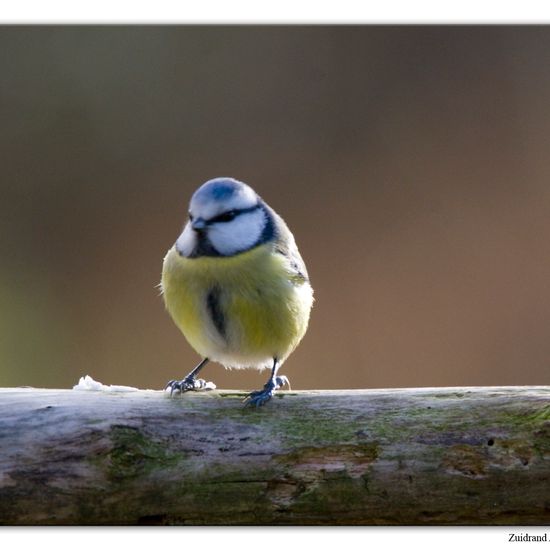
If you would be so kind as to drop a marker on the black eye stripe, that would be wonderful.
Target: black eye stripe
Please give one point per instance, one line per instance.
(222, 218)
(231, 215)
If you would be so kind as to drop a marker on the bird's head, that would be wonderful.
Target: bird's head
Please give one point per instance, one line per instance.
(226, 217)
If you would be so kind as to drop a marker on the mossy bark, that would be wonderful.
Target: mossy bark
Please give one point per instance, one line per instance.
(446, 456)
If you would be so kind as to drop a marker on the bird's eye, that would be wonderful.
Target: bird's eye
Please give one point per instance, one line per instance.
(190, 217)
(225, 217)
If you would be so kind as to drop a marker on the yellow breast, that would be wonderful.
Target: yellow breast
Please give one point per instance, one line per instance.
(262, 307)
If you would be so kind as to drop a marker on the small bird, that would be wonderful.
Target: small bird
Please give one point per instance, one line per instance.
(236, 286)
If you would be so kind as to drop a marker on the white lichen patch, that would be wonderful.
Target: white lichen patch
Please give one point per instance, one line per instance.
(87, 383)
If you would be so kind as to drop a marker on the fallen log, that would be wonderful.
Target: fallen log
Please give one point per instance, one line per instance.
(432, 456)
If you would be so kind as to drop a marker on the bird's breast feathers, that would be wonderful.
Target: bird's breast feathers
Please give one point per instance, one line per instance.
(240, 310)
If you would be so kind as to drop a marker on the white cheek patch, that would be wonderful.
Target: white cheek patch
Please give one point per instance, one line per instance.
(239, 234)
(187, 241)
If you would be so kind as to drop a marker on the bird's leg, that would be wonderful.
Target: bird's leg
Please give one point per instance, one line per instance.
(191, 382)
(258, 398)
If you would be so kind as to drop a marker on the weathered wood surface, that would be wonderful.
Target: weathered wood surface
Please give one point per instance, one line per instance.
(402, 457)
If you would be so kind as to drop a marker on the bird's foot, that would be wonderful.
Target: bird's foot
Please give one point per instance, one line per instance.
(261, 397)
(189, 383)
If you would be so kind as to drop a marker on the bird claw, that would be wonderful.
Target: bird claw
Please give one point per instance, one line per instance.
(189, 384)
(281, 381)
(261, 397)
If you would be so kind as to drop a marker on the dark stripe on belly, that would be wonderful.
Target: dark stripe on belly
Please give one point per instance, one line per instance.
(215, 310)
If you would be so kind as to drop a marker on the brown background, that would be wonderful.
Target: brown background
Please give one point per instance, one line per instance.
(412, 164)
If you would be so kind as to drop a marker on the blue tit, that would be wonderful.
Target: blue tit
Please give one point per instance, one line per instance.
(236, 286)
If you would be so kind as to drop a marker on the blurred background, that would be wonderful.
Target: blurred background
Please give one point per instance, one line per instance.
(411, 163)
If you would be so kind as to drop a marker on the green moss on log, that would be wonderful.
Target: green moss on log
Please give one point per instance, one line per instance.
(134, 454)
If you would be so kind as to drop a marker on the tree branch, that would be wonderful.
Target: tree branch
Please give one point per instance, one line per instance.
(451, 456)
